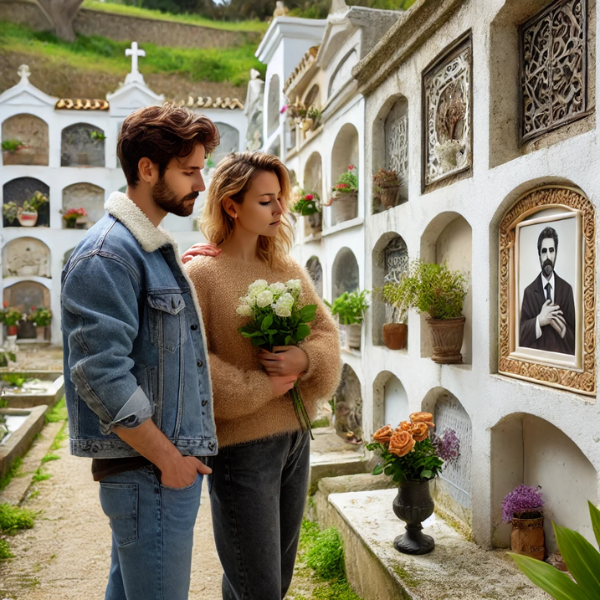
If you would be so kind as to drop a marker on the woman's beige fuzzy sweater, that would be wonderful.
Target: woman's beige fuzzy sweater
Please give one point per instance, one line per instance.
(244, 406)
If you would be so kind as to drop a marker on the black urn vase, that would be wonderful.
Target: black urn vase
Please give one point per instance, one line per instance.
(414, 504)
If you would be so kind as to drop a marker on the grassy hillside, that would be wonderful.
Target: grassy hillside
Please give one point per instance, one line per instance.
(100, 59)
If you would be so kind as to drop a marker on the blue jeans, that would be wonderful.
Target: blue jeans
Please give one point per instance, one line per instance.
(257, 495)
(152, 535)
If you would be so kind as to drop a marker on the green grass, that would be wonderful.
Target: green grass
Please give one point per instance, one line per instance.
(39, 475)
(13, 518)
(58, 412)
(61, 436)
(96, 53)
(134, 11)
(12, 471)
(5, 550)
(50, 457)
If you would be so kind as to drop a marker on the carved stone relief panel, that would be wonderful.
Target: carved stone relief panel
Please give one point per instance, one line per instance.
(32, 133)
(395, 256)
(85, 195)
(21, 189)
(315, 270)
(396, 139)
(82, 146)
(447, 114)
(553, 67)
(26, 257)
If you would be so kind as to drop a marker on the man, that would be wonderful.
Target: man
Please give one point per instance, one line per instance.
(548, 311)
(136, 374)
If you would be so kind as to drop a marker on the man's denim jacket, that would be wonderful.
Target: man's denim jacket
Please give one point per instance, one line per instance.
(134, 345)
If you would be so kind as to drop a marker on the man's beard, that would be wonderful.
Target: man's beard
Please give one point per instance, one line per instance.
(166, 198)
(547, 268)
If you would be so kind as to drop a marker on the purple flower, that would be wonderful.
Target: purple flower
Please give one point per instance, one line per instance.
(447, 446)
(522, 499)
(283, 109)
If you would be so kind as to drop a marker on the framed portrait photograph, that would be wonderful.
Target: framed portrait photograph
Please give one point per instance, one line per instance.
(547, 300)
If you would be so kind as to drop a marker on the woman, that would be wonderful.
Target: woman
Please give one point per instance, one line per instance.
(260, 476)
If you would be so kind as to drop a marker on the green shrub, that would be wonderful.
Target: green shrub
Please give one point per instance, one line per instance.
(326, 556)
(13, 518)
(350, 307)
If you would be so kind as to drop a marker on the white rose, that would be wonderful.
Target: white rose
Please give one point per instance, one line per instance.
(264, 298)
(244, 311)
(286, 300)
(281, 311)
(260, 285)
(277, 288)
(294, 285)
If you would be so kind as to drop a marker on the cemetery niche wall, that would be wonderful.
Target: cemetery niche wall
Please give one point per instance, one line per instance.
(547, 264)
(313, 184)
(345, 153)
(315, 270)
(87, 196)
(390, 401)
(26, 257)
(347, 407)
(24, 141)
(23, 295)
(344, 273)
(22, 190)
(82, 145)
(230, 142)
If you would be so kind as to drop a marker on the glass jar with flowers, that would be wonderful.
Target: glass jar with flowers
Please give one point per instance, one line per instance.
(309, 205)
(41, 318)
(345, 191)
(73, 216)
(523, 507)
(410, 458)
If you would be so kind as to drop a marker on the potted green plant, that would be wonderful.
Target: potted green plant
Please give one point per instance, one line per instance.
(309, 205)
(395, 333)
(311, 120)
(28, 213)
(73, 216)
(386, 187)
(41, 318)
(436, 290)
(345, 191)
(15, 152)
(97, 136)
(350, 308)
(523, 507)
(12, 317)
(11, 212)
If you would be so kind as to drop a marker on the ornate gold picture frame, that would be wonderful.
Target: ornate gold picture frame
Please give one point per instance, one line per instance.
(568, 366)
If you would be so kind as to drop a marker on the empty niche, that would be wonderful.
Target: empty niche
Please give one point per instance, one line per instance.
(273, 106)
(230, 142)
(87, 196)
(26, 257)
(315, 270)
(390, 401)
(345, 273)
(26, 139)
(313, 184)
(531, 451)
(448, 239)
(347, 407)
(452, 489)
(22, 189)
(82, 145)
(390, 262)
(345, 153)
(23, 296)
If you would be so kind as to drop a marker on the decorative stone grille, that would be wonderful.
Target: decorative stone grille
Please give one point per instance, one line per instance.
(447, 114)
(396, 140)
(553, 67)
(395, 256)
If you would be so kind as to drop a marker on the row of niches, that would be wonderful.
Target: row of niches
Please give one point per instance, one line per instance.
(26, 295)
(521, 445)
(28, 257)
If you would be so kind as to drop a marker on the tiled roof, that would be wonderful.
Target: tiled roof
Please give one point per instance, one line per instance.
(81, 104)
(307, 60)
(208, 102)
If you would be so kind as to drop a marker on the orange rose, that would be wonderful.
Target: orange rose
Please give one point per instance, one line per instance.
(401, 443)
(384, 434)
(405, 426)
(422, 417)
(420, 431)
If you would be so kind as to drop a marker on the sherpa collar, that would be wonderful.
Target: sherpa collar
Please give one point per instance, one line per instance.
(128, 212)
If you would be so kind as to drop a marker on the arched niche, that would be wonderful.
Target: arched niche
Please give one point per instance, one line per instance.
(345, 153)
(32, 133)
(24, 295)
(390, 262)
(448, 239)
(390, 401)
(452, 489)
(66, 256)
(230, 142)
(315, 270)
(26, 257)
(312, 96)
(348, 407)
(313, 182)
(82, 145)
(87, 196)
(531, 451)
(343, 73)
(273, 106)
(21, 189)
(345, 273)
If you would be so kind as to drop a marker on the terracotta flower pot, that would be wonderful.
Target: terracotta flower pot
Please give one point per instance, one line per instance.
(28, 219)
(527, 537)
(306, 124)
(12, 329)
(346, 206)
(395, 335)
(353, 335)
(446, 339)
(389, 196)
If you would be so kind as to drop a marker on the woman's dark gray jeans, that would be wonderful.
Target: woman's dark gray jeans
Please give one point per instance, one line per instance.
(257, 492)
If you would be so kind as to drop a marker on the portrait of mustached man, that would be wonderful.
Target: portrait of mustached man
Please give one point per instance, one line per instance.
(548, 310)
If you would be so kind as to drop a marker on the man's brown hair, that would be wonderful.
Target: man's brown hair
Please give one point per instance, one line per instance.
(161, 133)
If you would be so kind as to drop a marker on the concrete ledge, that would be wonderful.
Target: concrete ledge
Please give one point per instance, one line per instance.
(49, 399)
(20, 441)
(456, 568)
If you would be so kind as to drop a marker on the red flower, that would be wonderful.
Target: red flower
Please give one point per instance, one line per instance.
(33, 308)
(308, 197)
(5, 304)
(350, 167)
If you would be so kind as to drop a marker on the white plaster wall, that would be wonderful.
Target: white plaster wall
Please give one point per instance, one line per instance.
(395, 402)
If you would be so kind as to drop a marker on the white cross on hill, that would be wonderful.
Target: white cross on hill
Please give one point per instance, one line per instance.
(134, 52)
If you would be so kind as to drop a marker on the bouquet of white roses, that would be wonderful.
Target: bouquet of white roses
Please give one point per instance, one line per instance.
(277, 320)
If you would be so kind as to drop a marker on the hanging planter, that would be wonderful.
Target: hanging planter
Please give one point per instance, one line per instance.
(309, 205)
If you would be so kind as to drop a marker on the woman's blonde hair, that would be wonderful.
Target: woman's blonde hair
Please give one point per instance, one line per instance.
(232, 179)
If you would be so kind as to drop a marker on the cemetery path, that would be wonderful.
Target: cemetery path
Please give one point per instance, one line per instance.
(67, 553)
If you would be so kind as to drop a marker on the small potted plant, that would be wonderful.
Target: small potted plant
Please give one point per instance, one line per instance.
(395, 332)
(74, 216)
(345, 191)
(11, 212)
(386, 187)
(410, 458)
(309, 205)
(15, 152)
(41, 318)
(434, 289)
(12, 317)
(28, 213)
(523, 507)
(97, 136)
(311, 120)
(350, 308)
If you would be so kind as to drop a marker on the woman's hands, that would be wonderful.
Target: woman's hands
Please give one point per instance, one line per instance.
(282, 384)
(283, 361)
(200, 250)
